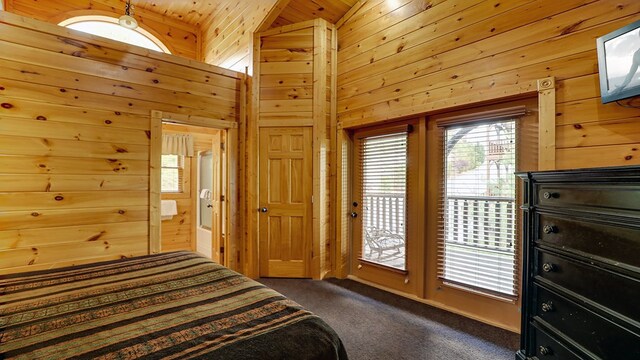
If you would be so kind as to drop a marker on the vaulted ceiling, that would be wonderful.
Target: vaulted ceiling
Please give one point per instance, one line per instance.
(198, 12)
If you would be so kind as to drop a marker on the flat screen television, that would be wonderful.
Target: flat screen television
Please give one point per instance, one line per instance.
(619, 63)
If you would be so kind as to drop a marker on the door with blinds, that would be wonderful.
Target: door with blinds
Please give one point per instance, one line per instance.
(473, 253)
(285, 201)
(380, 206)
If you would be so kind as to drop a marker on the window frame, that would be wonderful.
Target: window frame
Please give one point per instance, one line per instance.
(113, 20)
(442, 213)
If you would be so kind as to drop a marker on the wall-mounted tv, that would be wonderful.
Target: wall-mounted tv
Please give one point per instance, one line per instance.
(619, 63)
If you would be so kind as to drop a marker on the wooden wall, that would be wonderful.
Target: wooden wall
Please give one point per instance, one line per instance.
(294, 82)
(74, 139)
(407, 57)
(181, 38)
(228, 33)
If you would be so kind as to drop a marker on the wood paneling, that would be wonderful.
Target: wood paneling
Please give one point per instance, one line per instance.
(228, 32)
(76, 140)
(403, 58)
(179, 33)
(303, 10)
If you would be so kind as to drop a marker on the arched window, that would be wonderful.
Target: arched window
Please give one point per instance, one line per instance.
(108, 27)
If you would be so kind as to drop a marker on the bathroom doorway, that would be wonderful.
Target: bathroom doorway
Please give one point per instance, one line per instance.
(193, 209)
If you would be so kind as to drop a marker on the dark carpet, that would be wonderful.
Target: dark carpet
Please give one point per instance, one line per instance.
(375, 324)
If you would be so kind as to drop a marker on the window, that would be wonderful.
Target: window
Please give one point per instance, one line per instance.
(108, 27)
(172, 170)
(477, 247)
(383, 161)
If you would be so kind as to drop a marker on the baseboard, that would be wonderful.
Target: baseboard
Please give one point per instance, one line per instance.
(434, 304)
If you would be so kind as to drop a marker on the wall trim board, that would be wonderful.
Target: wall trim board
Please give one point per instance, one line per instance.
(547, 124)
(198, 121)
(155, 152)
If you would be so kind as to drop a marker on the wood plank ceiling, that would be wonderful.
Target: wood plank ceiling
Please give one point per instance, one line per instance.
(302, 10)
(197, 12)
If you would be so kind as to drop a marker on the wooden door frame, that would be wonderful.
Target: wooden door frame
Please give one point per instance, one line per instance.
(231, 204)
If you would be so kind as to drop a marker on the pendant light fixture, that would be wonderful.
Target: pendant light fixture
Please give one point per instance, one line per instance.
(127, 19)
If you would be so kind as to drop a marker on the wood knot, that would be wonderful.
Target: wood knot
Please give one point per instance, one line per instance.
(121, 212)
(34, 214)
(63, 90)
(6, 106)
(41, 118)
(118, 113)
(108, 122)
(155, 81)
(59, 198)
(577, 126)
(148, 69)
(628, 157)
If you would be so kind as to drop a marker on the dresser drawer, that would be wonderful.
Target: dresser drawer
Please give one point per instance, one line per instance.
(615, 243)
(546, 347)
(593, 332)
(613, 291)
(604, 196)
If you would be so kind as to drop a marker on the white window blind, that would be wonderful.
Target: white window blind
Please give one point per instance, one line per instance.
(477, 247)
(383, 161)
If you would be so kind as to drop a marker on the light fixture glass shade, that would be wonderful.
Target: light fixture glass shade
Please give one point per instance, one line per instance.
(128, 21)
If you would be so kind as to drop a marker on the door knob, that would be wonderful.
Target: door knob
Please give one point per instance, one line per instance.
(264, 210)
(354, 214)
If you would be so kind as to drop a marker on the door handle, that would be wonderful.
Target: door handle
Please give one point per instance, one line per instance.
(264, 210)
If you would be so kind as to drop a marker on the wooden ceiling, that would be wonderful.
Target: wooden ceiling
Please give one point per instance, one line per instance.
(197, 12)
(301, 10)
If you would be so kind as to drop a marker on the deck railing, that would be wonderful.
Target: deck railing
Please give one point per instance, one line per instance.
(481, 222)
(384, 212)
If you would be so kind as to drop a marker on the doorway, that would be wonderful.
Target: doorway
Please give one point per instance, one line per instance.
(193, 190)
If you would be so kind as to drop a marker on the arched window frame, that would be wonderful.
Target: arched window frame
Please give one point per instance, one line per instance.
(113, 20)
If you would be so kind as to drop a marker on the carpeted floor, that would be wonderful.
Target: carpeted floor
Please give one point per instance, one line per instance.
(374, 324)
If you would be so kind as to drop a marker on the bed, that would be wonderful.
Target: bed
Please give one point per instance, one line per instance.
(176, 305)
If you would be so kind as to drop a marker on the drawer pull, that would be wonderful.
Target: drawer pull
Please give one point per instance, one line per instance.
(544, 350)
(547, 306)
(547, 267)
(550, 195)
(549, 229)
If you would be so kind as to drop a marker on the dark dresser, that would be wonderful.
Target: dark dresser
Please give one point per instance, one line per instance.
(581, 289)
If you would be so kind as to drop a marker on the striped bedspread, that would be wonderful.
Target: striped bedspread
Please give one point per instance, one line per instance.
(168, 306)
